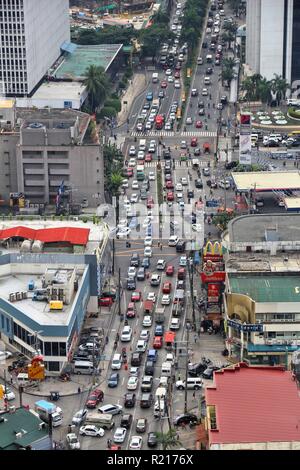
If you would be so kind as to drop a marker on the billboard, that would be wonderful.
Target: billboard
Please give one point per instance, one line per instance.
(245, 139)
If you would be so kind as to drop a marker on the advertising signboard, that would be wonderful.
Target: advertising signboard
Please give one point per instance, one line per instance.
(245, 139)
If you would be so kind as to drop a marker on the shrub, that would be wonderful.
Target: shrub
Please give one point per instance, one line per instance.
(106, 111)
(113, 103)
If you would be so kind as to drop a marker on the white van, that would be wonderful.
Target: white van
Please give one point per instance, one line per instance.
(207, 81)
(116, 363)
(23, 379)
(193, 383)
(142, 145)
(209, 58)
(166, 369)
(154, 77)
(160, 402)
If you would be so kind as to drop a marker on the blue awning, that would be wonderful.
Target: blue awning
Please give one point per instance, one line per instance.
(272, 348)
(68, 47)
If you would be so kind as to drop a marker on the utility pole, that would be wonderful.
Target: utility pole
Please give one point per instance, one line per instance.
(188, 325)
(94, 368)
(5, 392)
(119, 292)
(191, 279)
(113, 257)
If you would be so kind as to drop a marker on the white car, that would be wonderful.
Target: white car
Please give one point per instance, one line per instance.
(147, 252)
(151, 118)
(72, 441)
(197, 227)
(183, 261)
(166, 299)
(173, 240)
(126, 334)
(90, 430)
(132, 383)
(136, 443)
(133, 372)
(204, 92)
(135, 184)
(148, 125)
(168, 72)
(178, 187)
(141, 155)
(177, 84)
(181, 204)
(189, 120)
(144, 335)
(141, 346)
(183, 144)
(168, 126)
(79, 417)
(147, 321)
(146, 222)
(161, 264)
(175, 323)
(123, 232)
(131, 162)
(132, 151)
(148, 241)
(134, 198)
(151, 296)
(120, 434)
(151, 176)
(5, 355)
(111, 409)
(131, 272)
(125, 184)
(170, 79)
(184, 181)
(122, 224)
(219, 106)
(9, 395)
(139, 126)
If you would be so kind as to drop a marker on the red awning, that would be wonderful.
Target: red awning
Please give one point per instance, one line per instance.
(72, 235)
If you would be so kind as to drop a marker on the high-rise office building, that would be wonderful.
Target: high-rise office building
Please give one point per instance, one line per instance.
(273, 38)
(31, 35)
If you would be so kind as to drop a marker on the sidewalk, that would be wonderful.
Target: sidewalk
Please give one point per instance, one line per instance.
(137, 85)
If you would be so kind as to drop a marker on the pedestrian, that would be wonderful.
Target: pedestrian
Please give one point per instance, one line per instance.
(79, 390)
(194, 394)
(158, 244)
(69, 428)
(208, 104)
(109, 443)
(179, 378)
(161, 247)
(106, 339)
(195, 338)
(11, 379)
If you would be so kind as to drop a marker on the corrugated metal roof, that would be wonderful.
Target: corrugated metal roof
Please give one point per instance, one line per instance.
(266, 288)
(254, 404)
(72, 235)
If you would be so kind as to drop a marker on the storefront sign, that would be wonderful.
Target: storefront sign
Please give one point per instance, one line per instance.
(244, 326)
(217, 276)
(213, 250)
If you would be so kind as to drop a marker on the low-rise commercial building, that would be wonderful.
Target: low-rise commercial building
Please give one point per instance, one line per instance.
(51, 275)
(262, 294)
(253, 408)
(41, 148)
(22, 429)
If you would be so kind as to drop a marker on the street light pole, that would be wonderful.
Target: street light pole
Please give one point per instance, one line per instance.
(119, 292)
(186, 365)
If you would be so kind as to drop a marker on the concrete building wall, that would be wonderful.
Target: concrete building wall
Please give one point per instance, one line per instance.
(295, 445)
(253, 20)
(271, 38)
(8, 164)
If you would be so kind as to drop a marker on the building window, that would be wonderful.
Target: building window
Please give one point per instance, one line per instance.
(54, 349)
(52, 366)
(2, 322)
(47, 346)
(62, 349)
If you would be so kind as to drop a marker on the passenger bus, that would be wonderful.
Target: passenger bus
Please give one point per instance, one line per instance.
(140, 173)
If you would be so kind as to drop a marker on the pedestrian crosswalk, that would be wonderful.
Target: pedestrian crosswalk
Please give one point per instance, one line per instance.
(178, 164)
(174, 134)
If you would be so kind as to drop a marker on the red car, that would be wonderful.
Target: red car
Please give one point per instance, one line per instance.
(157, 342)
(177, 74)
(169, 184)
(181, 273)
(129, 172)
(150, 202)
(130, 310)
(95, 397)
(199, 124)
(167, 286)
(170, 196)
(194, 142)
(170, 270)
(105, 302)
(136, 296)
(148, 157)
(218, 56)
(163, 84)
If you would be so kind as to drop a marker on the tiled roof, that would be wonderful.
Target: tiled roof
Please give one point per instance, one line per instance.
(254, 404)
(72, 235)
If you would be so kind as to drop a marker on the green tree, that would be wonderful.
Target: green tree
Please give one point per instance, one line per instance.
(115, 182)
(279, 86)
(264, 90)
(221, 220)
(228, 37)
(227, 75)
(235, 5)
(229, 63)
(97, 85)
(168, 439)
(153, 37)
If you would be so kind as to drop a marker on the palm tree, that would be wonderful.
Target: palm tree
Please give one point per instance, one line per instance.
(229, 63)
(168, 439)
(227, 75)
(235, 5)
(280, 87)
(264, 90)
(97, 85)
(248, 86)
(228, 37)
